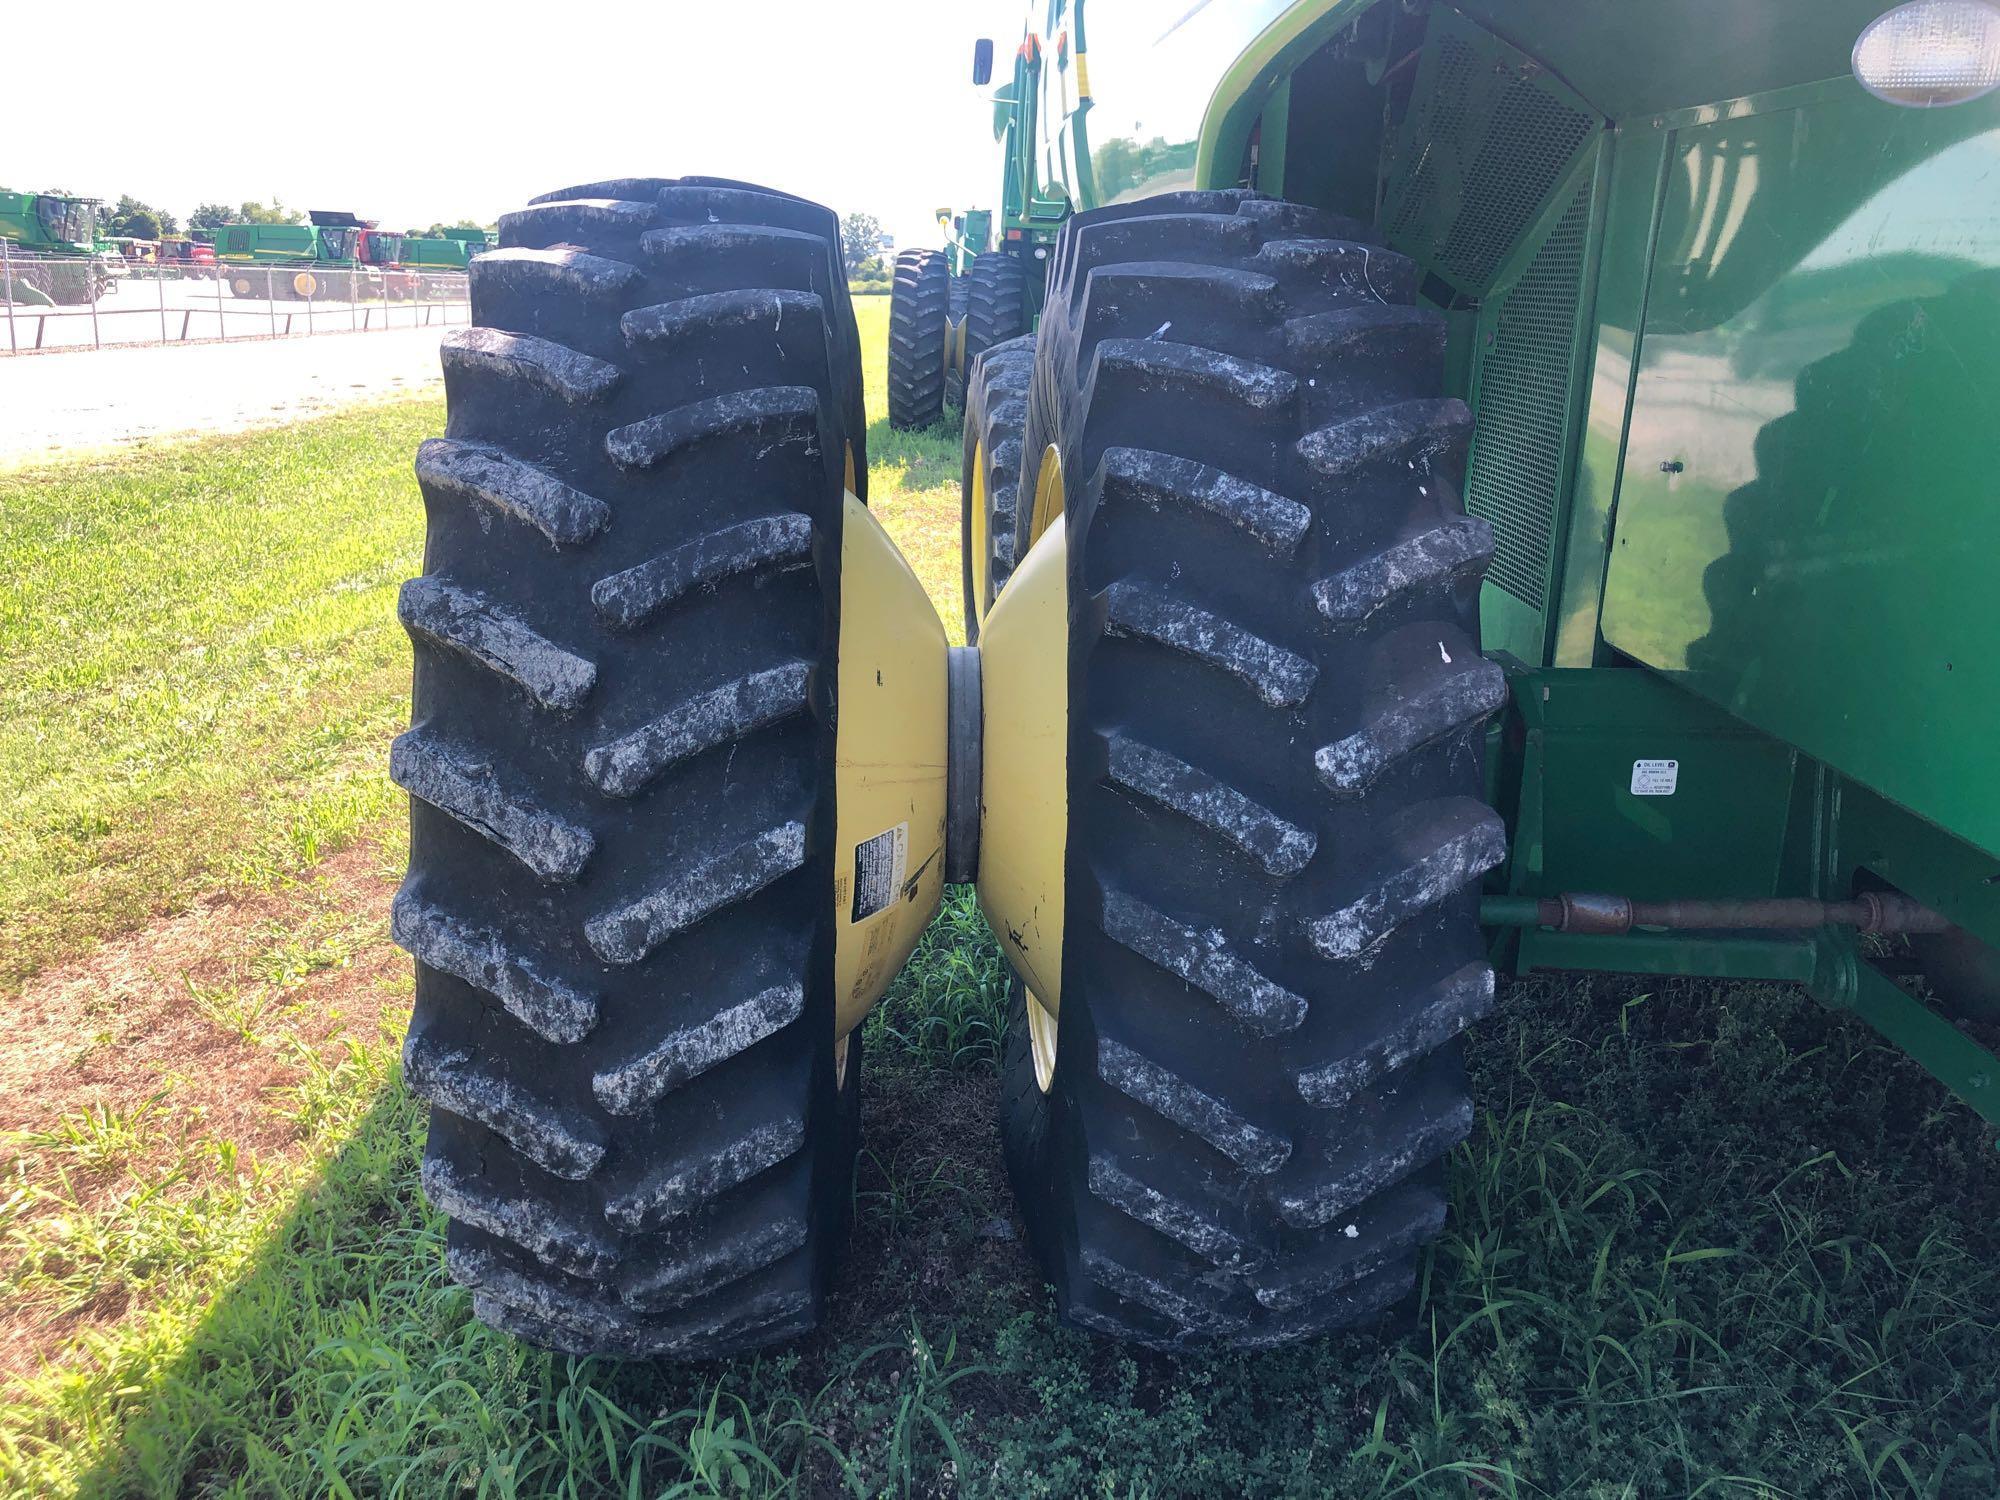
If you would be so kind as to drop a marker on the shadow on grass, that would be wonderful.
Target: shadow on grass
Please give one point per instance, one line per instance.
(1701, 1238)
(343, 1359)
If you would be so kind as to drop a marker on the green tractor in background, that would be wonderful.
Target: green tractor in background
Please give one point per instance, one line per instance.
(947, 307)
(451, 251)
(985, 287)
(1493, 486)
(53, 251)
(335, 256)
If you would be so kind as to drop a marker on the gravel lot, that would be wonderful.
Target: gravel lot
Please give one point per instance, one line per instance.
(71, 403)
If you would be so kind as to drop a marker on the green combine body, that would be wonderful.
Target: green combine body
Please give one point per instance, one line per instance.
(335, 255)
(451, 251)
(53, 249)
(1729, 322)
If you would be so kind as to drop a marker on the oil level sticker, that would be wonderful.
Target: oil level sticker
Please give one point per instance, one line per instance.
(879, 866)
(1655, 778)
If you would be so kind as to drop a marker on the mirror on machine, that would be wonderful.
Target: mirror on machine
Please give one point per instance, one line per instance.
(982, 62)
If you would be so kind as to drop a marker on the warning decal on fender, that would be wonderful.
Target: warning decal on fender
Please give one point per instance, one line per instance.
(879, 866)
(1655, 778)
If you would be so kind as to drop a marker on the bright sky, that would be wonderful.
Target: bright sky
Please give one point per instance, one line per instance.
(447, 109)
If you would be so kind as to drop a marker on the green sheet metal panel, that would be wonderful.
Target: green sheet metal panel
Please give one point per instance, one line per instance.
(1807, 524)
(1714, 824)
(1633, 59)
(1635, 159)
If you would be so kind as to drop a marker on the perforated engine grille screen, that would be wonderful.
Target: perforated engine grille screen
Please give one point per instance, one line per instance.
(1520, 449)
(1489, 147)
(1488, 140)
(1524, 155)
(1427, 158)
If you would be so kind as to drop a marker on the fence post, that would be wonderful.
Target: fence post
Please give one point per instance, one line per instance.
(221, 321)
(309, 309)
(351, 299)
(270, 306)
(7, 272)
(160, 286)
(90, 290)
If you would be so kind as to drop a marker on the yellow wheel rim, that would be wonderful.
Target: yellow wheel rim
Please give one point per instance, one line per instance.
(1042, 1041)
(1048, 494)
(304, 284)
(981, 543)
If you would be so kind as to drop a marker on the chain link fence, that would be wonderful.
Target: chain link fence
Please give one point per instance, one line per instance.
(94, 302)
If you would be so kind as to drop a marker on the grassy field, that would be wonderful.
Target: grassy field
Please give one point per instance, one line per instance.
(1706, 1240)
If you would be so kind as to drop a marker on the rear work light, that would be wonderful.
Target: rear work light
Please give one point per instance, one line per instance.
(1930, 53)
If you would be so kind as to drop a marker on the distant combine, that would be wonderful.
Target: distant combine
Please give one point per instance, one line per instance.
(336, 255)
(57, 254)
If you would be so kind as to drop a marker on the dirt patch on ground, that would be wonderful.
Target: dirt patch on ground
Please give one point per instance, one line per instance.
(933, 1211)
(132, 1063)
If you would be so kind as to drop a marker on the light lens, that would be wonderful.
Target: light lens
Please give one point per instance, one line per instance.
(1931, 52)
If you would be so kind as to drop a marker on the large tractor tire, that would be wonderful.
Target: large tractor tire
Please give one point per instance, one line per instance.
(32, 284)
(1232, 1133)
(996, 407)
(919, 324)
(66, 282)
(996, 305)
(619, 767)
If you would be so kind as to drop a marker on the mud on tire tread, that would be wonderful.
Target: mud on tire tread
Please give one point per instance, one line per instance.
(620, 768)
(776, 210)
(919, 318)
(1270, 937)
(996, 408)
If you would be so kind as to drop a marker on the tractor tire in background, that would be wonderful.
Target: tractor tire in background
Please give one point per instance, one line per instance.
(620, 773)
(67, 281)
(996, 306)
(919, 323)
(996, 406)
(1275, 827)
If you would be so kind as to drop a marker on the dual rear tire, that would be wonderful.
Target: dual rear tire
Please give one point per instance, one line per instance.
(1232, 1133)
(939, 325)
(620, 770)
(622, 755)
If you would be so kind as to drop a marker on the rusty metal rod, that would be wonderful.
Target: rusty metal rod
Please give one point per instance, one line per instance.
(1597, 913)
